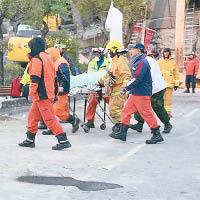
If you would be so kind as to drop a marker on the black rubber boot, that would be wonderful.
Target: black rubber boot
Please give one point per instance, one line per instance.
(116, 128)
(75, 123)
(187, 90)
(167, 128)
(42, 125)
(156, 136)
(29, 142)
(193, 90)
(137, 127)
(90, 124)
(48, 132)
(63, 142)
(121, 135)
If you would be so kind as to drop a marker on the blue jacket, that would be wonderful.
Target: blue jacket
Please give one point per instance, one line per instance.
(63, 78)
(141, 82)
(71, 64)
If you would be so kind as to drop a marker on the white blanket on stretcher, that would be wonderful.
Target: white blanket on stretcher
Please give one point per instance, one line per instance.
(86, 79)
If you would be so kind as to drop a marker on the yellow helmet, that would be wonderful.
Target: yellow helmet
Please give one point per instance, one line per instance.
(113, 46)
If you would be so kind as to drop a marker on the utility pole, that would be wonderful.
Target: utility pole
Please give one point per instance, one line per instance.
(1, 48)
(144, 23)
(179, 31)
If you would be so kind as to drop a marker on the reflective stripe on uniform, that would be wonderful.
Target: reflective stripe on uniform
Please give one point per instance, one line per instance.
(166, 72)
(115, 93)
(170, 84)
(168, 108)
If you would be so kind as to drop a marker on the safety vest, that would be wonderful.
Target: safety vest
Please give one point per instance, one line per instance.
(93, 67)
(26, 77)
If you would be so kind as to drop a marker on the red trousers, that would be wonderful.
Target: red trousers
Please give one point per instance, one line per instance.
(91, 108)
(141, 104)
(61, 108)
(44, 109)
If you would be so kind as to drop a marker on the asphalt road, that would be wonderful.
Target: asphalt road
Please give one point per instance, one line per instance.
(100, 168)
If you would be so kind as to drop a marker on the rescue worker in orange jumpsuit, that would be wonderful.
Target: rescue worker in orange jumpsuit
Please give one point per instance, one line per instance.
(170, 72)
(42, 93)
(61, 47)
(191, 67)
(99, 63)
(139, 100)
(114, 81)
(61, 108)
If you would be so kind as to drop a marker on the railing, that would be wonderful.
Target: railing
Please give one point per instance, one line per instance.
(5, 91)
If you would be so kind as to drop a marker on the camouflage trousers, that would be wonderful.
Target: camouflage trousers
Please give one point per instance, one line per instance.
(157, 102)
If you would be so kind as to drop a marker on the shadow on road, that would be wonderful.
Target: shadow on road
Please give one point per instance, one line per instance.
(68, 181)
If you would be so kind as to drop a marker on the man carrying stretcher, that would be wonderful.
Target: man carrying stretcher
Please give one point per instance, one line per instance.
(115, 80)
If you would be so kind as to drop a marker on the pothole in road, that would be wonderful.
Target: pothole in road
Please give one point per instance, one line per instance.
(68, 181)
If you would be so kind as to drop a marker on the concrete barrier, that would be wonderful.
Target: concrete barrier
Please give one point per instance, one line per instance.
(13, 102)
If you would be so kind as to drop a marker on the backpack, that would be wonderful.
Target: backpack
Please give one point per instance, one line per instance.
(15, 87)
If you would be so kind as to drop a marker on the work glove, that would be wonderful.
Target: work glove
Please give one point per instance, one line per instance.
(60, 89)
(21, 87)
(175, 88)
(123, 92)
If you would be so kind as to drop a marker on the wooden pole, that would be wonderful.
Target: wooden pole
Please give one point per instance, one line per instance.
(179, 31)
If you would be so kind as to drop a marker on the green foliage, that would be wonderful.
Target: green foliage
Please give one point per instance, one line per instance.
(11, 71)
(72, 43)
(132, 9)
(10, 9)
(41, 8)
(3, 45)
(72, 46)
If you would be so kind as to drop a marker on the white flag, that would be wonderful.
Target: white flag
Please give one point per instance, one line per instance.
(114, 24)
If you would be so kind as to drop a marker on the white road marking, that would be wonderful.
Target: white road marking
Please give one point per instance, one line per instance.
(191, 113)
(125, 157)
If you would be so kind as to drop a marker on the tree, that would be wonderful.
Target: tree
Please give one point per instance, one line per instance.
(72, 43)
(9, 9)
(132, 10)
(32, 11)
(41, 8)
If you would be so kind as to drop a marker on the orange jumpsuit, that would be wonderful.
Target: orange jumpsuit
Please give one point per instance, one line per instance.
(42, 91)
(191, 67)
(61, 106)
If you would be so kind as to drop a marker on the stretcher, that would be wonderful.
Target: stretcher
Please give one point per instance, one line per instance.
(84, 92)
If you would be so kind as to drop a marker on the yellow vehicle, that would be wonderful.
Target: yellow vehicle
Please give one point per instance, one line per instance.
(53, 22)
(18, 46)
(18, 49)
